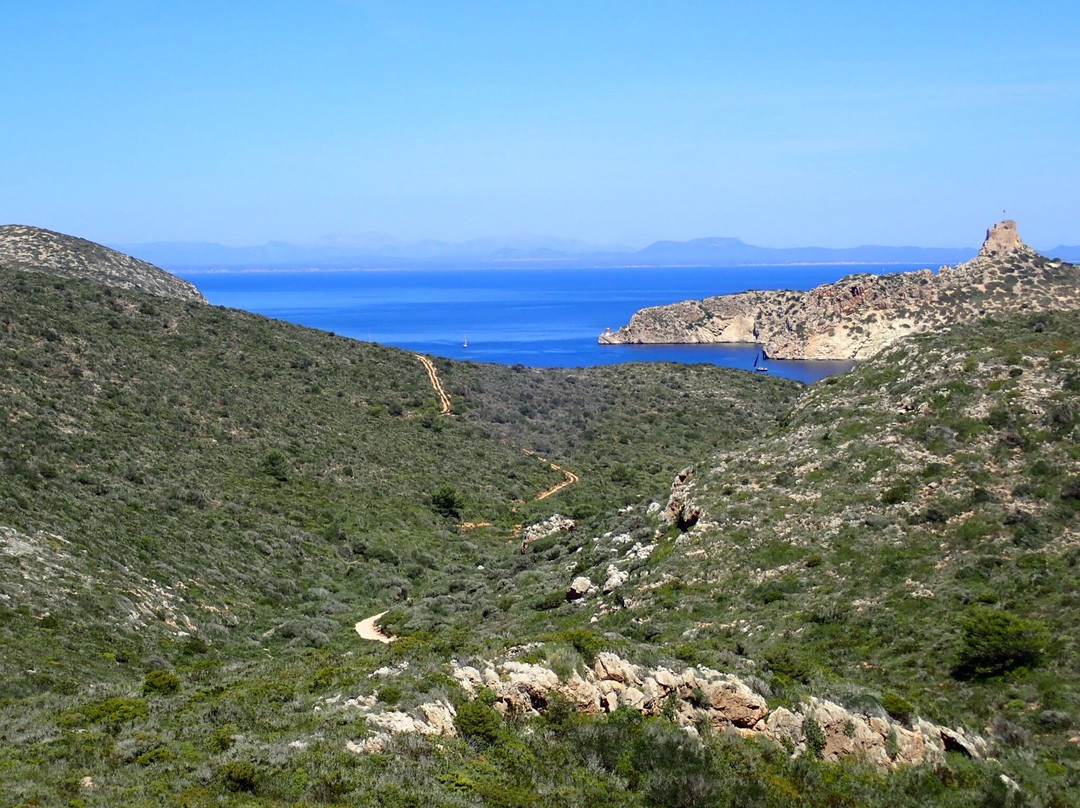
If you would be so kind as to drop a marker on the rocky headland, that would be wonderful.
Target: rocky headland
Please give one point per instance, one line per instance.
(859, 315)
(34, 249)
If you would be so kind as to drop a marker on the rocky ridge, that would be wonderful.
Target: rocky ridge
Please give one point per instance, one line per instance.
(33, 249)
(859, 315)
(693, 698)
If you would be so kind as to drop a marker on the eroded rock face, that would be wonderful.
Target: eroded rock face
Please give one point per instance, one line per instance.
(693, 696)
(690, 697)
(859, 315)
(33, 249)
(681, 511)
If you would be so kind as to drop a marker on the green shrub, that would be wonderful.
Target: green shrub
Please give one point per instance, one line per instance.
(446, 501)
(111, 712)
(478, 721)
(897, 706)
(161, 683)
(390, 694)
(222, 738)
(274, 464)
(552, 600)
(996, 642)
(814, 736)
(239, 775)
(898, 493)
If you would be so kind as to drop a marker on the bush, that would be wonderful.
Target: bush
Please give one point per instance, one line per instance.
(390, 694)
(478, 721)
(161, 683)
(900, 492)
(275, 465)
(995, 642)
(239, 775)
(815, 737)
(897, 706)
(446, 501)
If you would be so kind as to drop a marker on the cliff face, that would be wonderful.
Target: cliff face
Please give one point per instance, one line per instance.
(859, 315)
(33, 249)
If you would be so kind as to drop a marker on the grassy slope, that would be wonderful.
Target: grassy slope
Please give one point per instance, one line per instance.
(139, 433)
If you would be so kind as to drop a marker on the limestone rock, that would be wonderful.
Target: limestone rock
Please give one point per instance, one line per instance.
(579, 588)
(439, 716)
(611, 667)
(614, 579)
(640, 552)
(549, 527)
(735, 701)
(956, 741)
(693, 696)
(680, 510)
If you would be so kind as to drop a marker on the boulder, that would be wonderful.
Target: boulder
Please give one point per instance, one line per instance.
(579, 588)
(735, 701)
(585, 696)
(613, 667)
(615, 578)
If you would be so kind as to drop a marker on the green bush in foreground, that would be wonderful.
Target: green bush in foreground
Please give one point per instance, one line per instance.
(478, 721)
(996, 642)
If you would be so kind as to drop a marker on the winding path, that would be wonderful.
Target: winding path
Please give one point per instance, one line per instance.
(433, 375)
(369, 630)
(445, 409)
(571, 478)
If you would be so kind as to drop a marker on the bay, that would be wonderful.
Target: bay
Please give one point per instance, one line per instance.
(539, 317)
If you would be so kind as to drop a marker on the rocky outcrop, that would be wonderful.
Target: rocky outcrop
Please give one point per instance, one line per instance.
(692, 698)
(35, 250)
(697, 696)
(858, 316)
(681, 510)
(556, 523)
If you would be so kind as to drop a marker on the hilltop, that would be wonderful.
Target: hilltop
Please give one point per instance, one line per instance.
(755, 592)
(33, 249)
(859, 315)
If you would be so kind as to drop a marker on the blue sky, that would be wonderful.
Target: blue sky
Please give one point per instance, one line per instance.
(791, 123)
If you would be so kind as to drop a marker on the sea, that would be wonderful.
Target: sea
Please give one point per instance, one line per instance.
(540, 317)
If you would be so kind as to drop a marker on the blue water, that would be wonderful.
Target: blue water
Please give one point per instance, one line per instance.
(537, 317)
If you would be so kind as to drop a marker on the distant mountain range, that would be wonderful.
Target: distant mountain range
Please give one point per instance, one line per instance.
(381, 251)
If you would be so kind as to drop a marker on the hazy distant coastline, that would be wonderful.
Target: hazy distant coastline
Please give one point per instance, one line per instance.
(535, 253)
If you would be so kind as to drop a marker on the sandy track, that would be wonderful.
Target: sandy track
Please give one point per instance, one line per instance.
(444, 400)
(571, 478)
(369, 630)
(445, 409)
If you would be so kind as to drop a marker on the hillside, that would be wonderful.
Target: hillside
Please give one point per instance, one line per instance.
(197, 505)
(33, 249)
(859, 315)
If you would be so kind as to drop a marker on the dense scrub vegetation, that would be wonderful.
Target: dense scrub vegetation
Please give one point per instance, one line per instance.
(196, 506)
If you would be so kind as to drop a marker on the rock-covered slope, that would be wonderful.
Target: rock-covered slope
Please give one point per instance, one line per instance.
(859, 315)
(33, 249)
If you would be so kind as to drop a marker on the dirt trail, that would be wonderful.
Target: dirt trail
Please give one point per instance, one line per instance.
(571, 478)
(368, 630)
(444, 400)
(445, 409)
